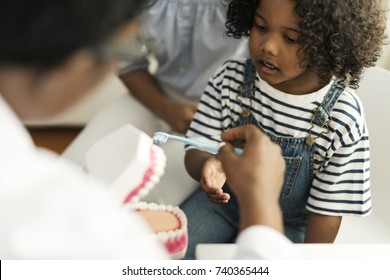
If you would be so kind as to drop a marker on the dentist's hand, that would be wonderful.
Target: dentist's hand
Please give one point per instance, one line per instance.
(256, 176)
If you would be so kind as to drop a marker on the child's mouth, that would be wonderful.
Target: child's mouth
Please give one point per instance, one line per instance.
(268, 67)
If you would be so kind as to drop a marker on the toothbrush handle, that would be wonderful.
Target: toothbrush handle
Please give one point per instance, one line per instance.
(208, 148)
(238, 151)
(204, 147)
(184, 140)
(214, 149)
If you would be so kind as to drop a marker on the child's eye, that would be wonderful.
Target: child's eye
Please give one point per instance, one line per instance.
(290, 40)
(261, 27)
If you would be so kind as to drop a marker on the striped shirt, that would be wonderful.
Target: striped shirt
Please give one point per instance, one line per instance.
(341, 184)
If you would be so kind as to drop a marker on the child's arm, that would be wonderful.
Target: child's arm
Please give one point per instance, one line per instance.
(207, 169)
(144, 87)
(321, 228)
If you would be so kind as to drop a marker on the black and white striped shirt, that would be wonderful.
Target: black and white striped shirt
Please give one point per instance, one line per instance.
(341, 184)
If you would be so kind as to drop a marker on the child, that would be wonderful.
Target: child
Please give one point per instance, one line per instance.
(298, 87)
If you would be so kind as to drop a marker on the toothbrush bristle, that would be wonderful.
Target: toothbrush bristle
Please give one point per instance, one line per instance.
(159, 138)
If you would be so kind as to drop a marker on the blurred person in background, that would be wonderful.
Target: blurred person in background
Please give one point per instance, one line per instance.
(48, 208)
(53, 53)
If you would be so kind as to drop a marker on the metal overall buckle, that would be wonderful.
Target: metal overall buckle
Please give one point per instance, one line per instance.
(310, 139)
(246, 112)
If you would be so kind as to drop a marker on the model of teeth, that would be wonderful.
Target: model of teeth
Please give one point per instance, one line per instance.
(129, 162)
(168, 222)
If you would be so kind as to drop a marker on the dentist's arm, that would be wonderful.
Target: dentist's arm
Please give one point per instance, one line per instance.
(256, 177)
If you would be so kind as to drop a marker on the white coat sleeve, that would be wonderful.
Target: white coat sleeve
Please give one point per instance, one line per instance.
(262, 242)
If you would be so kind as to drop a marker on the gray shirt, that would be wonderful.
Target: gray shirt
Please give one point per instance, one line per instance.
(187, 39)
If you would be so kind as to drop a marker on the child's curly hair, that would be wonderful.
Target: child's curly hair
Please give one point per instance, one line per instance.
(338, 38)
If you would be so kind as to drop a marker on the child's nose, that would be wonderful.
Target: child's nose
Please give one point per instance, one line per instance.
(270, 45)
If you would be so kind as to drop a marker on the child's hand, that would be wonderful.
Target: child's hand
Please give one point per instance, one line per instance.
(212, 180)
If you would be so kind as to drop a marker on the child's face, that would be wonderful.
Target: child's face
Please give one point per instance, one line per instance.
(273, 48)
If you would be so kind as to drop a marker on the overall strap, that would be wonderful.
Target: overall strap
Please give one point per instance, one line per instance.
(322, 114)
(247, 87)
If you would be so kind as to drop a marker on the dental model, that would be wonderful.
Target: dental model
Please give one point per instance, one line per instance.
(169, 223)
(129, 162)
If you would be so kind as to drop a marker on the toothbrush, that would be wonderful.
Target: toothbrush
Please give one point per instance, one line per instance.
(162, 137)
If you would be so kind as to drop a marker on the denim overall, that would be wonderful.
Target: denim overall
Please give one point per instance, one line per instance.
(298, 154)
